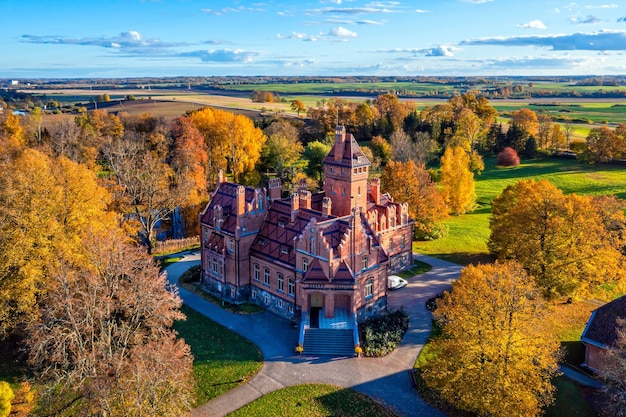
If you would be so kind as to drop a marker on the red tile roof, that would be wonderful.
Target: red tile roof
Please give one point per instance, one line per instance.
(226, 197)
(352, 155)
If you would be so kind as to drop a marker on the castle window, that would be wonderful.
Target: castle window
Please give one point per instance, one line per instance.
(403, 241)
(305, 264)
(369, 288)
(279, 303)
(356, 170)
(291, 287)
(390, 244)
(290, 309)
(343, 191)
(359, 192)
(214, 266)
(221, 268)
(253, 294)
(266, 276)
(280, 282)
(257, 272)
(284, 250)
(267, 299)
(233, 292)
(282, 221)
(231, 245)
(364, 262)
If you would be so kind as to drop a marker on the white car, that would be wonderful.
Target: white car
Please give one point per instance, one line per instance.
(394, 282)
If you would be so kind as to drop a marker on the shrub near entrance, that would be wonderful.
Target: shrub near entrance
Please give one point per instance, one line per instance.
(381, 335)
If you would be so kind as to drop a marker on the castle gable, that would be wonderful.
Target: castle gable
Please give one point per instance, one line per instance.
(221, 212)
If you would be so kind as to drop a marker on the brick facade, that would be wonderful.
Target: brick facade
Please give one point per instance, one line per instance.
(332, 249)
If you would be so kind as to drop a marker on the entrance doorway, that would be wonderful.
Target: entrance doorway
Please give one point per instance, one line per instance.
(316, 301)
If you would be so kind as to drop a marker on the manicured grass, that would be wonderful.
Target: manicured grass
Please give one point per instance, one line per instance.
(222, 359)
(313, 400)
(468, 234)
(418, 268)
(569, 400)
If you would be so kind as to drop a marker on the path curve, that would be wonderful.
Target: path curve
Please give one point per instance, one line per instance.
(386, 379)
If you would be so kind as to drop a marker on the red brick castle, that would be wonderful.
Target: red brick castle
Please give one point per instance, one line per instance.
(314, 257)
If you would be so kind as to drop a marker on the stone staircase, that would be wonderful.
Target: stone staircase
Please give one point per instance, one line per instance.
(330, 342)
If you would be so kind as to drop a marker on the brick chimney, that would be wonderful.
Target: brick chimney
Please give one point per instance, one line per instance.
(305, 199)
(241, 200)
(220, 177)
(275, 188)
(302, 185)
(375, 190)
(326, 206)
(340, 140)
(295, 206)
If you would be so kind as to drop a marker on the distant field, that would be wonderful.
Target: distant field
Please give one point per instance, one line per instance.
(332, 88)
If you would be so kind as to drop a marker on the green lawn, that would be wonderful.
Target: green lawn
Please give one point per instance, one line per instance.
(418, 268)
(468, 234)
(222, 359)
(313, 400)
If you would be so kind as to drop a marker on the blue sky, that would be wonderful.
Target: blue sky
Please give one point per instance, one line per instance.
(135, 38)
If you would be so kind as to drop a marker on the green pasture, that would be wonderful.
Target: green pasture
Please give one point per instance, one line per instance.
(223, 360)
(330, 88)
(468, 234)
(313, 400)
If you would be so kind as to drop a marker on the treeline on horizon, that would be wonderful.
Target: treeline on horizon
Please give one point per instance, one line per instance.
(489, 86)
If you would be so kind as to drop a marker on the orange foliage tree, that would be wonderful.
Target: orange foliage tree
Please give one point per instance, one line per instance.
(560, 240)
(495, 357)
(406, 182)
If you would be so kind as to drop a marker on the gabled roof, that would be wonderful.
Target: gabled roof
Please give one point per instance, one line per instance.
(315, 273)
(601, 329)
(226, 197)
(344, 273)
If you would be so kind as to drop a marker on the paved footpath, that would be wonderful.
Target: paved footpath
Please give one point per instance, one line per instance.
(386, 379)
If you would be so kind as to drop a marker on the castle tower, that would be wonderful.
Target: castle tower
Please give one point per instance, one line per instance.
(345, 174)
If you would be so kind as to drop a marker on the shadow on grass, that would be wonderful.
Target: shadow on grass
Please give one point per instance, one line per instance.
(464, 258)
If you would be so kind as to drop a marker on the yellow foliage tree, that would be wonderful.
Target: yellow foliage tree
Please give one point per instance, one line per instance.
(495, 358)
(12, 131)
(405, 182)
(560, 240)
(45, 207)
(230, 139)
(457, 180)
(6, 396)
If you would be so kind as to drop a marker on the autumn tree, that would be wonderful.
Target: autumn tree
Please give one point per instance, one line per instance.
(408, 183)
(560, 240)
(6, 396)
(298, 106)
(507, 158)
(526, 120)
(232, 141)
(148, 190)
(381, 149)
(457, 181)
(604, 144)
(12, 132)
(282, 149)
(45, 205)
(188, 158)
(401, 146)
(495, 357)
(613, 374)
(103, 344)
(426, 148)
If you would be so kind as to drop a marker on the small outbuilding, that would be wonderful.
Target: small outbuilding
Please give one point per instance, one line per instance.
(601, 332)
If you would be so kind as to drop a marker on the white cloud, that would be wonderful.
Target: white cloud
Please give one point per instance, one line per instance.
(342, 32)
(222, 55)
(604, 40)
(131, 40)
(588, 20)
(438, 50)
(421, 11)
(602, 6)
(533, 24)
